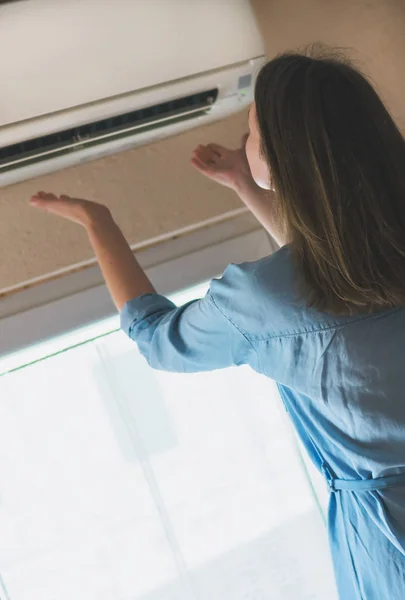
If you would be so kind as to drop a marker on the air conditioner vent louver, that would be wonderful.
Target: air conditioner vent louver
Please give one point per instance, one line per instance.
(97, 132)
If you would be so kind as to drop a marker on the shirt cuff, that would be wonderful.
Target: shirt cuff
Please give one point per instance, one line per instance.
(142, 307)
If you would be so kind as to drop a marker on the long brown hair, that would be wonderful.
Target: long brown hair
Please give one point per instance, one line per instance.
(337, 161)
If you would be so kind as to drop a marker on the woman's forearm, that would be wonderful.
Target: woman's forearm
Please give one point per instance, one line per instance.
(262, 204)
(123, 275)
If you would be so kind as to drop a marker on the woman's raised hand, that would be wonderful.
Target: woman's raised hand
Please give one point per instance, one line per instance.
(225, 166)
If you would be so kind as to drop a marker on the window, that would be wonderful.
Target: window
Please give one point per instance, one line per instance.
(118, 481)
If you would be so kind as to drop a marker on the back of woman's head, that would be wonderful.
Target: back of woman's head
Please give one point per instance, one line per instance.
(337, 162)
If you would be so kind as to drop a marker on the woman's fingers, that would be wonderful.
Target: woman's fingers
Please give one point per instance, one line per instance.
(48, 201)
(75, 209)
(40, 197)
(204, 153)
(39, 200)
(199, 164)
(49, 197)
(217, 149)
(209, 152)
(200, 158)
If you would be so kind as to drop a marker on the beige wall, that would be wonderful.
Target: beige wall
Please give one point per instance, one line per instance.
(153, 190)
(373, 29)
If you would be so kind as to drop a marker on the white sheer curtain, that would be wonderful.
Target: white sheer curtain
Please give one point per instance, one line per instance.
(120, 482)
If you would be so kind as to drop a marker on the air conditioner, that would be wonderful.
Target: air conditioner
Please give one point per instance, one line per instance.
(85, 78)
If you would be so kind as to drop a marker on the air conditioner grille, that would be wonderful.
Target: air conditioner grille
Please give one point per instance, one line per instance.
(51, 145)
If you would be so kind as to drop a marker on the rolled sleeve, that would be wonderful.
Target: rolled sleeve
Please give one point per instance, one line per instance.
(196, 336)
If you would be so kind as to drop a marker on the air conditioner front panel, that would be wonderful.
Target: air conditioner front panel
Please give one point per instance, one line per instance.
(60, 54)
(231, 88)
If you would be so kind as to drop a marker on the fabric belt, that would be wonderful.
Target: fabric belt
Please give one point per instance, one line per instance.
(361, 485)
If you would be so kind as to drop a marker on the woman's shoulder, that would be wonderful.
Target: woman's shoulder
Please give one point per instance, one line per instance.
(262, 298)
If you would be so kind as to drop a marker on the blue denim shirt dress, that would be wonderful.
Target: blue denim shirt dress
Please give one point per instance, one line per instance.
(342, 381)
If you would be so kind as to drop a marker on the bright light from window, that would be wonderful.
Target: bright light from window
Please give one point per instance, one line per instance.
(117, 481)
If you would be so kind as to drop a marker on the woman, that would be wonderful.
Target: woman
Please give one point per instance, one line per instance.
(324, 171)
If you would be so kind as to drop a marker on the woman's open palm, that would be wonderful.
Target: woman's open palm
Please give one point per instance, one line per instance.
(227, 167)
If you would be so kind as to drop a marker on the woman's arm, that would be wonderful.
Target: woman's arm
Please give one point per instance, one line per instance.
(231, 169)
(262, 204)
(123, 275)
(190, 338)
